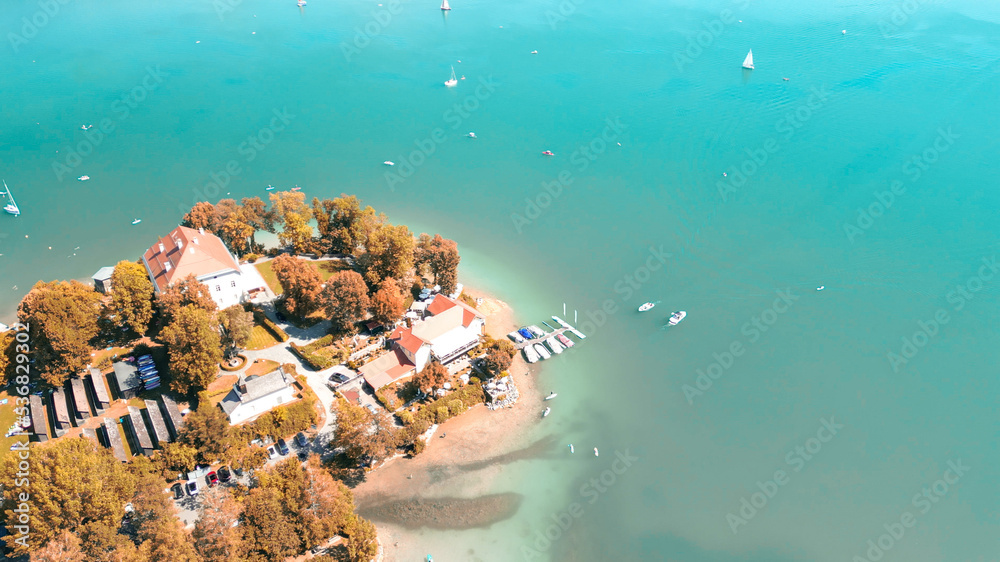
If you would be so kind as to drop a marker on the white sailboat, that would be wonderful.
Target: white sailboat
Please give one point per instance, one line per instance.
(445, 6)
(10, 208)
(452, 82)
(748, 62)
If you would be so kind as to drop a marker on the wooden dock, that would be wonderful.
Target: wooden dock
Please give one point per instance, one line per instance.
(565, 328)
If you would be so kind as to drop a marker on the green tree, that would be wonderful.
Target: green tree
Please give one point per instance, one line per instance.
(387, 303)
(62, 319)
(72, 482)
(175, 458)
(388, 254)
(132, 296)
(256, 214)
(301, 283)
(182, 293)
(194, 349)
(237, 232)
(499, 355)
(207, 429)
(345, 299)
(237, 326)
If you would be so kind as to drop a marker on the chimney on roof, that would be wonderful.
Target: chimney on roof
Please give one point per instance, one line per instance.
(195, 239)
(166, 266)
(201, 230)
(162, 248)
(179, 243)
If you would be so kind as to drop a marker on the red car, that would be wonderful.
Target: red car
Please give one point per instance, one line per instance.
(212, 478)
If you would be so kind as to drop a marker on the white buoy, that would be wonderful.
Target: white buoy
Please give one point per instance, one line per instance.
(571, 448)
(564, 309)
(595, 452)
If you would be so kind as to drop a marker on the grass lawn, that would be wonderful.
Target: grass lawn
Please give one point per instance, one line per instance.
(260, 338)
(7, 418)
(326, 269)
(220, 387)
(106, 355)
(262, 367)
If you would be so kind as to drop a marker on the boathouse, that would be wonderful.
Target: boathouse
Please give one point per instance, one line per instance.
(39, 421)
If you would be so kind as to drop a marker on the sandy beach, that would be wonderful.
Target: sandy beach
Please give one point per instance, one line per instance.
(466, 453)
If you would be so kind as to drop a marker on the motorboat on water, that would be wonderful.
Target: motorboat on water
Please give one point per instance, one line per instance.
(136, 221)
(546, 412)
(389, 163)
(549, 153)
(536, 331)
(269, 188)
(83, 178)
(676, 317)
(530, 354)
(646, 306)
(11, 207)
(554, 345)
(542, 352)
(516, 337)
(301, 3)
(526, 334)
(567, 343)
(86, 127)
(296, 188)
(453, 81)
(534, 52)
(551, 396)
(472, 135)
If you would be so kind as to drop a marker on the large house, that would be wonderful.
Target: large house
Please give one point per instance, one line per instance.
(186, 251)
(450, 332)
(256, 394)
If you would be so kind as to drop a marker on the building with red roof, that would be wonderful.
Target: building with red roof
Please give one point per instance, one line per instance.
(186, 251)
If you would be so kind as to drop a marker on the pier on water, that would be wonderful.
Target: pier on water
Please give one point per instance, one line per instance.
(565, 327)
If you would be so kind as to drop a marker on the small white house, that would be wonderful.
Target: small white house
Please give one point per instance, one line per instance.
(254, 395)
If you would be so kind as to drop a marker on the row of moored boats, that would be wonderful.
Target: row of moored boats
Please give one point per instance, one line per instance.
(550, 343)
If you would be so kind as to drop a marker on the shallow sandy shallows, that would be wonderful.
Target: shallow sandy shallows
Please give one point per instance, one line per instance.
(447, 486)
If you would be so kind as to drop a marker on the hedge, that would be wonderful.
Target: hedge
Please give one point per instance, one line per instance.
(316, 361)
(260, 318)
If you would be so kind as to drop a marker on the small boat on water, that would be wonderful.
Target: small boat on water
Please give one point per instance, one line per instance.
(549, 153)
(301, 3)
(821, 287)
(534, 52)
(453, 81)
(676, 318)
(530, 354)
(83, 178)
(567, 343)
(444, 5)
(551, 396)
(646, 306)
(472, 135)
(389, 163)
(536, 331)
(596, 454)
(542, 352)
(296, 188)
(554, 345)
(516, 337)
(86, 127)
(748, 62)
(136, 221)
(526, 334)
(11, 207)
(546, 412)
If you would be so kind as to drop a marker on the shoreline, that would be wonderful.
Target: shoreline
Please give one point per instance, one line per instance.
(449, 485)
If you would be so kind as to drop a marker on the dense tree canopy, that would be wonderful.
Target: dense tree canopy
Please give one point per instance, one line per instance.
(387, 304)
(132, 296)
(301, 284)
(194, 349)
(345, 299)
(72, 482)
(63, 319)
(499, 355)
(7, 353)
(182, 293)
(202, 215)
(237, 326)
(439, 256)
(344, 226)
(432, 377)
(363, 434)
(215, 537)
(291, 211)
(207, 430)
(388, 254)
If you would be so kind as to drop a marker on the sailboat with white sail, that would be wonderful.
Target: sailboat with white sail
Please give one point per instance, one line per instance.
(748, 62)
(10, 208)
(453, 81)
(445, 6)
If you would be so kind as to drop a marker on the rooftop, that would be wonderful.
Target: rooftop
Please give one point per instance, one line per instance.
(253, 387)
(103, 274)
(127, 375)
(186, 251)
(387, 368)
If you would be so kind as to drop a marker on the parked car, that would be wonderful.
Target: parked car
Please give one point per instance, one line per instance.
(301, 440)
(192, 488)
(178, 490)
(212, 478)
(272, 453)
(224, 474)
(281, 317)
(370, 408)
(282, 447)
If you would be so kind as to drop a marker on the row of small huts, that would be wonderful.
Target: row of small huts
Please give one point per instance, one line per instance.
(145, 429)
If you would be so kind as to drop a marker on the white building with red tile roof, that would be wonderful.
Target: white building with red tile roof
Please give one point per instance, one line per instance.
(451, 332)
(186, 251)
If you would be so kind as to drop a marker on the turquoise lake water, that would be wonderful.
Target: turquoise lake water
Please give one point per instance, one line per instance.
(868, 172)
